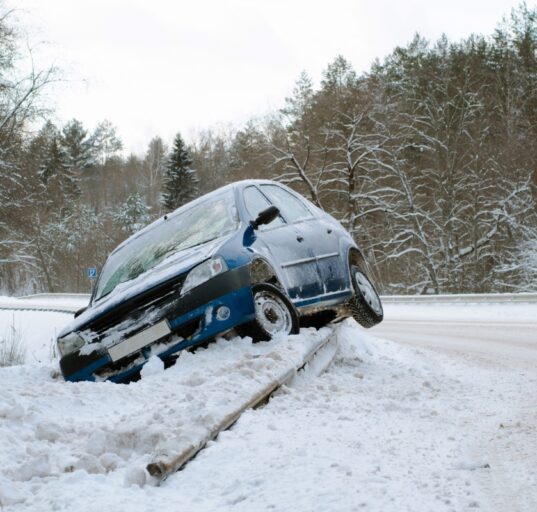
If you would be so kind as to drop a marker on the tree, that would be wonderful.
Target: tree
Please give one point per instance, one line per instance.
(428, 159)
(300, 104)
(78, 146)
(213, 158)
(106, 142)
(455, 189)
(180, 181)
(21, 85)
(153, 169)
(132, 215)
(60, 182)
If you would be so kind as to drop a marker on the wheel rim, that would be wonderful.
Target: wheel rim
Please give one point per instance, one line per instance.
(368, 292)
(272, 313)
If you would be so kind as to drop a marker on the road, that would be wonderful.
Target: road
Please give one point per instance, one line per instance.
(502, 344)
(500, 338)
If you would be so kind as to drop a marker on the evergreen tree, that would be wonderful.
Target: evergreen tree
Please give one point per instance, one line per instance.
(299, 105)
(77, 145)
(61, 183)
(180, 181)
(133, 214)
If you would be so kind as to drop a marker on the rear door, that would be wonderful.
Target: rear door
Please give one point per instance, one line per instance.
(287, 248)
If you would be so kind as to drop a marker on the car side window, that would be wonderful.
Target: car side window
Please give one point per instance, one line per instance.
(255, 203)
(290, 206)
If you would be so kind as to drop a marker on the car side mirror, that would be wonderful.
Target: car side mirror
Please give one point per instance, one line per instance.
(265, 217)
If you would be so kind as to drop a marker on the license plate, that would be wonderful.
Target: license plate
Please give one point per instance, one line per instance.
(139, 340)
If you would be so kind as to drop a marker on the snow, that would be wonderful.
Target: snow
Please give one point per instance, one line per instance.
(38, 330)
(371, 424)
(154, 366)
(53, 430)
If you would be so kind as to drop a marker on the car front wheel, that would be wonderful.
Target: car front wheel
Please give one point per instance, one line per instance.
(365, 305)
(274, 314)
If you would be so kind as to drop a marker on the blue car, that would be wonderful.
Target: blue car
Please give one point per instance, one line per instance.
(253, 258)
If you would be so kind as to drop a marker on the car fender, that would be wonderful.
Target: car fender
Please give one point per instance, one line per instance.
(239, 250)
(358, 258)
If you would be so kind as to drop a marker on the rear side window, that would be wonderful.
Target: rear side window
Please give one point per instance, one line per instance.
(255, 203)
(290, 206)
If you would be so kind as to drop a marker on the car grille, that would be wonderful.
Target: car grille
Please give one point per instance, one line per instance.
(135, 309)
(129, 362)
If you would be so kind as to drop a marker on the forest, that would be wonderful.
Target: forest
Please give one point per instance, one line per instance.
(428, 159)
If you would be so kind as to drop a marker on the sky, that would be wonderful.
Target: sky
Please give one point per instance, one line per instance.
(158, 67)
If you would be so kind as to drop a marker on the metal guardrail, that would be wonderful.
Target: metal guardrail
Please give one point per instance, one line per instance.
(46, 309)
(164, 466)
(53, 301)
(48, 302)
(466, 298)
(55, 296)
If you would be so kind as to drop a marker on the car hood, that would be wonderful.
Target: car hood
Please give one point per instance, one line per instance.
(174, 265)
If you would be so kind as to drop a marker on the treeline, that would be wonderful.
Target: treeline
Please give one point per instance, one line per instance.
(428, 159)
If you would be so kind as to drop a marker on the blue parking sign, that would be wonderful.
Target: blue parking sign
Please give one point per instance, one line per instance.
(92, 272)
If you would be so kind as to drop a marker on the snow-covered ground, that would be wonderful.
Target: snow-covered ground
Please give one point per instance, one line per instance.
(37, 331)
(388, 427)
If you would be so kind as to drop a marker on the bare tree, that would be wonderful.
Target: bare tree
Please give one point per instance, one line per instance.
(154, 165)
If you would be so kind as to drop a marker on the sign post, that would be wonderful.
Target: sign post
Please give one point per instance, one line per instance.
(92, 275)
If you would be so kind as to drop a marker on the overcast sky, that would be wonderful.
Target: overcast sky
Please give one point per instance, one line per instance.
(156, 67)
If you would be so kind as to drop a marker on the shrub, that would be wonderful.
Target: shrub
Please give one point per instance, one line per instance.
(12, 348)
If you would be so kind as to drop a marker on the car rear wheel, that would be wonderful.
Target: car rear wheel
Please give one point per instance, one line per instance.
(365, 305)
(274, 314)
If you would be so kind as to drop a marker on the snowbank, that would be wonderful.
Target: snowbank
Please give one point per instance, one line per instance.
(387, 428)
(54, 432)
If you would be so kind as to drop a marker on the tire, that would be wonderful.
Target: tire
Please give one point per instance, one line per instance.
(365, 305)
(274, 314)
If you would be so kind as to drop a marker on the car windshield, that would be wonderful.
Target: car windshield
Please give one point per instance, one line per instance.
(194, 226)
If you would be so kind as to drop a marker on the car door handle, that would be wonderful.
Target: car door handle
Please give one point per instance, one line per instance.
(300, 238)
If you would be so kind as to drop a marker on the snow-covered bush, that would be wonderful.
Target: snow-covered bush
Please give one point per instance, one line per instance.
(133, 214)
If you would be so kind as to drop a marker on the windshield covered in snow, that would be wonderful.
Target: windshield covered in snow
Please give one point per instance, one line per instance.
(194, 226)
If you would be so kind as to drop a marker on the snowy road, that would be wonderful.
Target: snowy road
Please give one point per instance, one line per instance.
(499, 344)
(440, 418)
(499, 340)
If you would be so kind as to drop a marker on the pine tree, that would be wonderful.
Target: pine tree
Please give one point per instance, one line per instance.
(133, 214)
(77, 145)
(180, 181)
(60, 181)
(300, 103)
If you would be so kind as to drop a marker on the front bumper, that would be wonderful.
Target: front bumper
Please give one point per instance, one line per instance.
(192, 320)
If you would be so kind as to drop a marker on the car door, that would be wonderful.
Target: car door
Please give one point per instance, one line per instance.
(296, 263)
(330, 261)
(320, 235)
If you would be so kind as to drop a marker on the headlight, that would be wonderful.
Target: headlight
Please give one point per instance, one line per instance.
(70, 343)
(203, 272)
